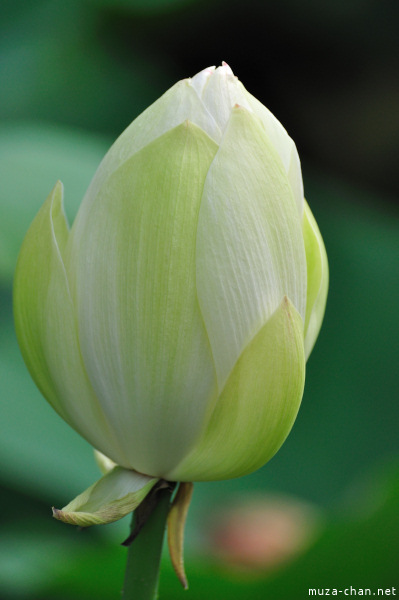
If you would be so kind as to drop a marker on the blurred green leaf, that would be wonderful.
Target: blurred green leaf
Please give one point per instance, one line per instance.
(56, 66)
(39, 453)
(38, 552)
(32, 158)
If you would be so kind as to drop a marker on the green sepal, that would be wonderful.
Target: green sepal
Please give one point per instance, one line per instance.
(111, 498)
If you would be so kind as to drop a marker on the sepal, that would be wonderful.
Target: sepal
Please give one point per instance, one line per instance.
(176, 522)
(112, 497)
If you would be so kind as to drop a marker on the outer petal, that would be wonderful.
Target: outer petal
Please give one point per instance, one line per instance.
(257, 407)
(250, 250)
(317, 267)
(46, 329)
(283, 144)
(179, 103)
(143, 339)
(114, 496)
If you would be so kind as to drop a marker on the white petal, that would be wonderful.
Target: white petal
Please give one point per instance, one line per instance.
(284, 146)
(221, 93)
(143, 339)
(250, 250)
(200, 80)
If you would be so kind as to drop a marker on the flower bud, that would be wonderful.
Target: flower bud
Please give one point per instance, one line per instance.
(260, 534)
(171, 324)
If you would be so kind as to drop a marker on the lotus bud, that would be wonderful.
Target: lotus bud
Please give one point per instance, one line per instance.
(259, 534)
(171, 324)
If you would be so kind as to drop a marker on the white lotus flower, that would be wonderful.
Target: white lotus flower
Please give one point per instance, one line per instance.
(170, 326)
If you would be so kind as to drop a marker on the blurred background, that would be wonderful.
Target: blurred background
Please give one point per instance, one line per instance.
(324, 512)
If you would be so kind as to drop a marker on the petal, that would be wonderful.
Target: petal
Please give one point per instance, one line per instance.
(250, 250)
(142, 336)
(111, 498)
(284, 146)
(104, 463)
(180, 103)
(317, 267)
(200, 80)
(221, 92)
(46, 328)
(257, 407)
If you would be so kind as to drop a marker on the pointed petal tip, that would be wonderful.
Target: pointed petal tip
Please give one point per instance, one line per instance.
(286, 303)
(202, 75)
(289, 308)
(59, 185)
(57, 196)
(226, 68)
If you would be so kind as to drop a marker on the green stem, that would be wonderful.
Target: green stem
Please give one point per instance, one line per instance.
(144, 555)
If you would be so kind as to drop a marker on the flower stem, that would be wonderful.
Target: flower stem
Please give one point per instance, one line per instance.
(144, 555)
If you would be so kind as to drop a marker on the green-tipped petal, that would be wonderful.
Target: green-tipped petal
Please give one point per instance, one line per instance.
(257, 407)
(317, 268)
(250, 250)
(46, 325)
(142, 336)
(112, 497)
(179, 103)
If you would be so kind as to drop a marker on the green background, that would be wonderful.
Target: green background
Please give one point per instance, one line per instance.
(72, 77)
